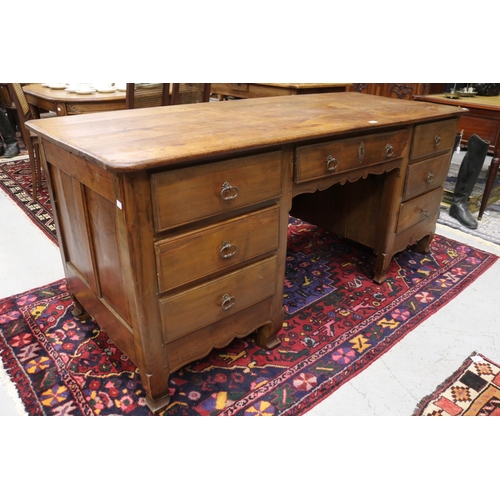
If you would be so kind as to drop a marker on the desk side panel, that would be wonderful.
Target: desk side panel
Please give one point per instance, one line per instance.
(87, 230)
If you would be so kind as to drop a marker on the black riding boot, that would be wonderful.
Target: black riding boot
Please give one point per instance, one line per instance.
(9, 136)
(470, 168)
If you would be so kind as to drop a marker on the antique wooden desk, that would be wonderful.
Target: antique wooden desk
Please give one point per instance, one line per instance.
(483, 119)
(172, 221)
(252, 90)
(64, 103)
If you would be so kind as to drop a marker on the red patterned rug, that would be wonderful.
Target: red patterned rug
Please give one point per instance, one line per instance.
(337, 322)
(15, 180)
(473, 390)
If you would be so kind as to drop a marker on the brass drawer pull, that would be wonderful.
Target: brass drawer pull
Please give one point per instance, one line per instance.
(437, 140)
(331, 163)
(430, 177)
(389, 150)
(227, 250)
(227, 302)
(425, 212)
(228, 192)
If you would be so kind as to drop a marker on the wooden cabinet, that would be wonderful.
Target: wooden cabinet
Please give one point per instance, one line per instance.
(172, 221)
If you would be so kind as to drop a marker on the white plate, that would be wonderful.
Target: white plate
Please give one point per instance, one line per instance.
(57, 86)
(108, 89)
(122, 89)
(84, 91)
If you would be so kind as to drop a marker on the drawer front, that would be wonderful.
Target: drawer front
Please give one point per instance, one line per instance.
(426, 175)
(186, 195)
(421, 208)
(206, 304)
(329, 158)
(190, 256)
(431, 138)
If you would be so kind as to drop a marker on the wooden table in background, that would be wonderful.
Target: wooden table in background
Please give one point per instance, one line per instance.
(483, 120)
(64, 103)
(250, 90)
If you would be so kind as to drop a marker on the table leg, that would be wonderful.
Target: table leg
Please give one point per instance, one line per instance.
(490, 180)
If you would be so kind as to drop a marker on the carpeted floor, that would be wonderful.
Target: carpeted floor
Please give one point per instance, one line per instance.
(337, 322)
(473, 390)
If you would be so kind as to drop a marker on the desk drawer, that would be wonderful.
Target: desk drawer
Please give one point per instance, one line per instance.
(421, 208)
(426, 175)
(190, 256)
(330, 158)
(193, 193)
(203, 305)
(431, 138)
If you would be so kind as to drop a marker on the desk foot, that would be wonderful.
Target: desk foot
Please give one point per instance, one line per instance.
(266, 338)
(78, 310)
(424, 245)
(381, 266)
(158, 405)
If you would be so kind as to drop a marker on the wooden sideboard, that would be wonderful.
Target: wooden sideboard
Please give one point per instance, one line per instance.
(398, 90)
(253, 90)
(172, 221)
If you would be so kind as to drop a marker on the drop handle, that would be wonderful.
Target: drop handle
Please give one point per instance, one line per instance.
(331, 163)
(389, 151)
(227, 250)
(227, 302)
(228, 192)
(437, 140)
(425, 213)
(430, 177)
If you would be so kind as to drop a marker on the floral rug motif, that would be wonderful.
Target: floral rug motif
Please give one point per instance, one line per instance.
(337, 322)
(473, 390)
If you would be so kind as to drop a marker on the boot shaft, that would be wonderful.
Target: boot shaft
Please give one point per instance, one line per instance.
(470, 167)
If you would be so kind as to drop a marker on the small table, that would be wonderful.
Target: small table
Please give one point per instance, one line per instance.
(64, 103)
(483, 119)
(250, 90)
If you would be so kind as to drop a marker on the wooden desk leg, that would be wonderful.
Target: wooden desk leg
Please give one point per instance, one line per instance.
(490, 180)
(266, 337)
(78, 310)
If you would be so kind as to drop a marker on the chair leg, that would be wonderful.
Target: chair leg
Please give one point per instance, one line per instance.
(38, 167)
(34, 176)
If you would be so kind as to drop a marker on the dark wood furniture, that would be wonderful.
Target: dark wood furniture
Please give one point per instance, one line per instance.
(398, 90)
(252, 90)
(172, 221)
(190, 93)
(147, 95)
(30, 140)
(64, 103)
(483, 119)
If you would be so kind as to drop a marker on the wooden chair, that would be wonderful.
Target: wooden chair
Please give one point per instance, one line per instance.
(147, 95)
(30, 140)
(190, 93)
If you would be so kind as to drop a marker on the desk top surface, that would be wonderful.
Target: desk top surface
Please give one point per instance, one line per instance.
(146, 138)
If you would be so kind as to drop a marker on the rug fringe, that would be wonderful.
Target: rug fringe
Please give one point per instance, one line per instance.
(425, 401)
(11, 390)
